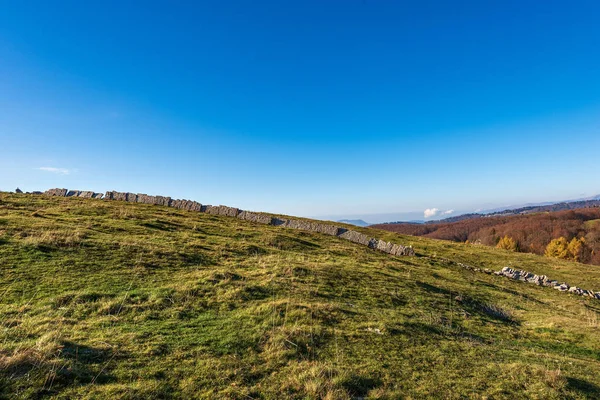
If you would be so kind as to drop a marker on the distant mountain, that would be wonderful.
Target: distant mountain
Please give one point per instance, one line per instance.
(357, 222)
(570, 205)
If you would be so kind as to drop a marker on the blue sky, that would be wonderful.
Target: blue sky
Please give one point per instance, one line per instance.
(324, 108)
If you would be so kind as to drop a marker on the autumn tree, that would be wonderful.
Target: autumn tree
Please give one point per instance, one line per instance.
(557, 248)
(507, 243)
(576, 249)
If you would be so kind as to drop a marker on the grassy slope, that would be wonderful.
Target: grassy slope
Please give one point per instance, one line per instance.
(108, 299)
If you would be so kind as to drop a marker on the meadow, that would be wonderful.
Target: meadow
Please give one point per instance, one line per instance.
(107, 299)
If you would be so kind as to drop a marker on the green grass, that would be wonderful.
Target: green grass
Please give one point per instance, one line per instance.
(106, 299)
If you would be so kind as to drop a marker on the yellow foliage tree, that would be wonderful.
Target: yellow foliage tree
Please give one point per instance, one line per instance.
(575, 249)
(557, 248)
(507, 243)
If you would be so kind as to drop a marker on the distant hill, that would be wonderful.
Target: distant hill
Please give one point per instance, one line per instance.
(531, 227)
(357, 222)
(593, 201)
(567, 205)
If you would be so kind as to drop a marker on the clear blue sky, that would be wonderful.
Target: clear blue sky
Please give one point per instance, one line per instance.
(316, 108)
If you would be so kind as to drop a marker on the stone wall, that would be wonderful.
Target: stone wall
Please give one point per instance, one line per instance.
(190, 205)
(543, 280)
(71, 193)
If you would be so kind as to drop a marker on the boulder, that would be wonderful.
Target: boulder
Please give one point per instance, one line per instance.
(18, 190)
(162, 201)
(384, 246)
(188, 205)
(56, 192)
(145, 199)
(223, 210)
(115, 196)
(86, 194)
(255, 217)
(563, 287)
(356, 237)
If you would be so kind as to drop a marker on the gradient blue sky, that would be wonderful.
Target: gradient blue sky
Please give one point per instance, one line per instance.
(313, 108)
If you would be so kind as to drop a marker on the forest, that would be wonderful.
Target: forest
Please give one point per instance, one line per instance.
(571, 234)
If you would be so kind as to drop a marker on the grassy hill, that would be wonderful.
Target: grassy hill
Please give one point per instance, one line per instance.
(106, 299)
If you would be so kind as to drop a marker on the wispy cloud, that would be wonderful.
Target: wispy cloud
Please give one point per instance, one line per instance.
(59, 171)
(430, 212)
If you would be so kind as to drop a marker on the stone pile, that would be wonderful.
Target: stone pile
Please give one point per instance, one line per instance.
(543, 280)
(313, 226)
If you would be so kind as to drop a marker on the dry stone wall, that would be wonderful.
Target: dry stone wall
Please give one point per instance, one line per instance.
(71, 193)
(543, 280)
(190, 205)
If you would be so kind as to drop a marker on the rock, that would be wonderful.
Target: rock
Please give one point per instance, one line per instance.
(56, 192)
(384, 246)
(356, 237)
(562, 287)
(36, 192)
(223, 210)
(255, 217)
(162, 201)
(278, 221)
(86, 194)
(145, 199)
(119, 196)
(18, 190)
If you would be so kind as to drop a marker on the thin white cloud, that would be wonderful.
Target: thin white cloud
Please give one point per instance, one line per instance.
(430, 212)
(59, 171)
(448, 212)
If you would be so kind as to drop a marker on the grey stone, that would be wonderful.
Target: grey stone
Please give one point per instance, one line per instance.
(56, 192)
(278, 221)
(18, 190)
(223, 210)
(356, 237)
(86, 194)
(255, 217)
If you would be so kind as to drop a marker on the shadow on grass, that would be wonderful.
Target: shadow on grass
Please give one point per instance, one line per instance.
(591, 390)
(73, 364)
(472, 305)
(360, 385)
(283, 242)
